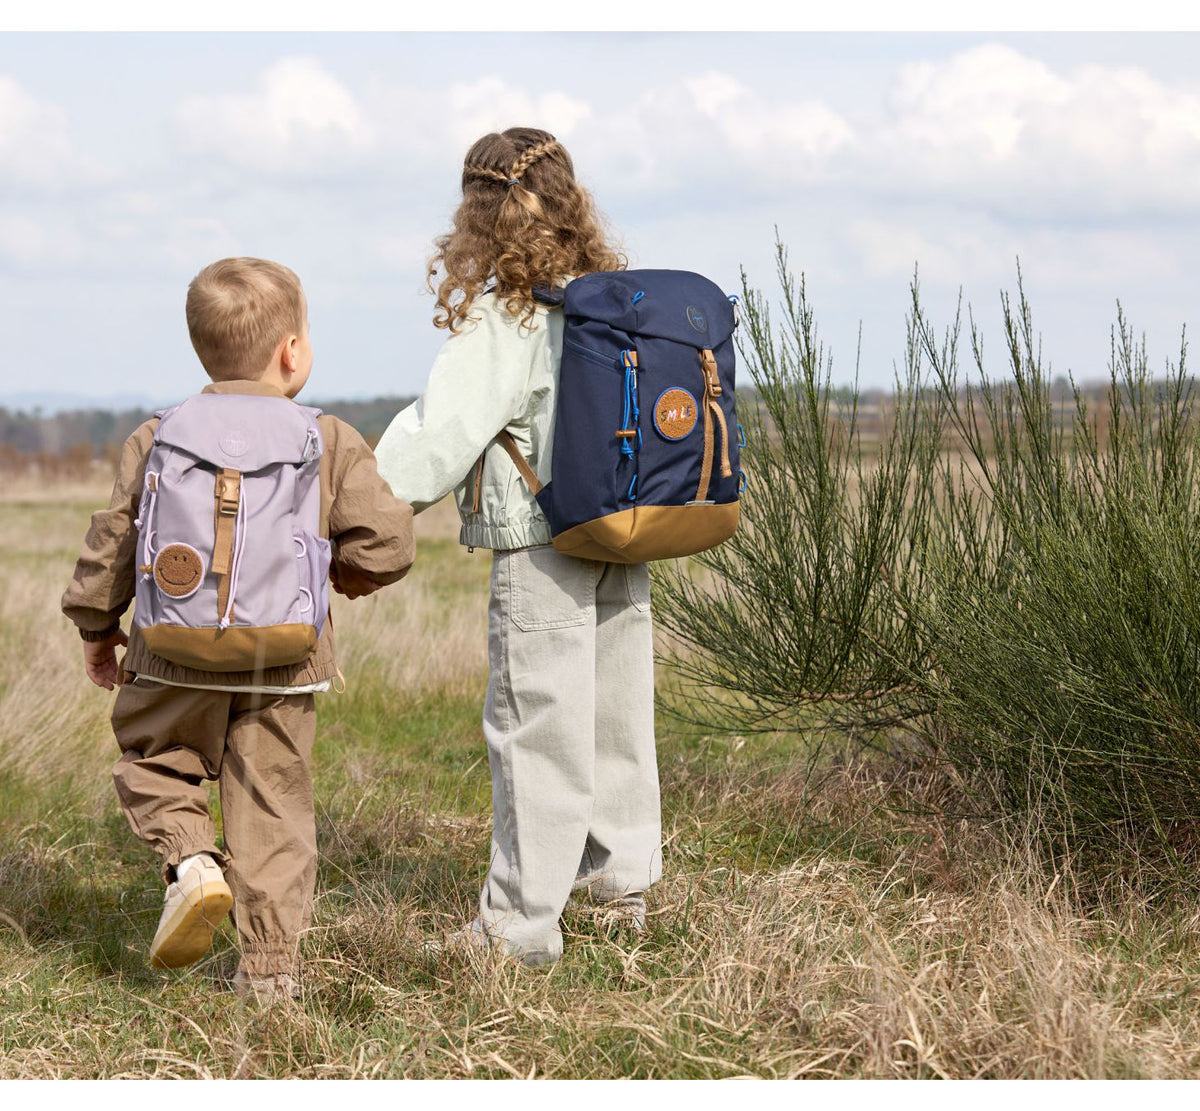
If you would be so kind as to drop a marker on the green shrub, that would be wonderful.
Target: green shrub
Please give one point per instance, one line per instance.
(1067, 642)
(806, 613)
(1007, 569)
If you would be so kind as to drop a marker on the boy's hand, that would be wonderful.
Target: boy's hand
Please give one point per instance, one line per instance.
(100, 659)
(351, 583)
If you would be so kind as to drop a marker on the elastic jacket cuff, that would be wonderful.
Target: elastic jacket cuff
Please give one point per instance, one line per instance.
(103, 634)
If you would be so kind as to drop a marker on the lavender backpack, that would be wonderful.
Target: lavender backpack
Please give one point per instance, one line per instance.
(232, 572)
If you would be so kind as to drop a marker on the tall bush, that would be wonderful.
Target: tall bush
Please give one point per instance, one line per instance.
(806, 613)
(1064, 625)
(1007, 570)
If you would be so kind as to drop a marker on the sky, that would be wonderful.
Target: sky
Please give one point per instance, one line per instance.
(129, 161)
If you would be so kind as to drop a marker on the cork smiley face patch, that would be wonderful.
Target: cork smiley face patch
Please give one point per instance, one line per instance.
(178, 570)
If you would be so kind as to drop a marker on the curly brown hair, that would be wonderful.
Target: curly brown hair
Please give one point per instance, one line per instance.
(524, 221)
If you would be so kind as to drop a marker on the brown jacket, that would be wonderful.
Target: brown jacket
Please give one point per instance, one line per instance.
(370, 528)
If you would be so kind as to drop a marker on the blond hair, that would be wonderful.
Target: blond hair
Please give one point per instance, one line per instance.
(524, 221)
(238, 310)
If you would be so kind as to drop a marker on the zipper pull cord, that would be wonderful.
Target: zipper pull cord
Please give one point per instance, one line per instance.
(631, 430)
(627, 412)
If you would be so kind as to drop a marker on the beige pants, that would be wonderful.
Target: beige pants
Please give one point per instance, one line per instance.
(569, 724)
(259, 748)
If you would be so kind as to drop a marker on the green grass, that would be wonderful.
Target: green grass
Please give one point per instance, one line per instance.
(818, 916)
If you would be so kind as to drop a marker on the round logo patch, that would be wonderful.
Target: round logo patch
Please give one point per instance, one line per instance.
(697, 319)
(235, 441)
(675, 413)
(178, 570)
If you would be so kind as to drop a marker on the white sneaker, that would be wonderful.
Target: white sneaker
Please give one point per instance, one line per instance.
(625, 913)
(473, 941)
(194, 907)
(611, 909)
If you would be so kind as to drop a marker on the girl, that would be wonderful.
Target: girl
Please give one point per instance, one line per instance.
(569, 714)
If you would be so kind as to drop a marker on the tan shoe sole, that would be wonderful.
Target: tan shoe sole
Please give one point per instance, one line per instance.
(187, 935)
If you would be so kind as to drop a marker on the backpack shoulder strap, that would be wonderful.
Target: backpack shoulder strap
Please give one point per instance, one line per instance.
(522, 464)
(506, 441)
(550, 296)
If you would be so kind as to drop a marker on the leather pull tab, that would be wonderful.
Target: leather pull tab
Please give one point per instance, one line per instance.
(719, 418)
(708, 367)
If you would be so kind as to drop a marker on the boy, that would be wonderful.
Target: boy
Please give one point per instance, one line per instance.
(252, 731)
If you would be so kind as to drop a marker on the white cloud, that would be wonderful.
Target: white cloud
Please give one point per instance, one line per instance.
(964, 161)
(35, 144)
(299, 120)
(38, 244)
(974, 107)
(710, 131)
(988, 126)
(492, 104)
(962, 247)
(888, 249)
(755, 126)
(994, 124)
(193, 242)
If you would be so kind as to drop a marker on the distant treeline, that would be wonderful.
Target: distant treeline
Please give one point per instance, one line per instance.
(72, 440)
(86, 434)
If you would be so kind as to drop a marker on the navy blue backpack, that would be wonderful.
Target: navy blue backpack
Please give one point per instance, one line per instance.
(645, 457)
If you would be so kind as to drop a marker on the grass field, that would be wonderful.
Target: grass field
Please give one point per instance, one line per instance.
(822, 913)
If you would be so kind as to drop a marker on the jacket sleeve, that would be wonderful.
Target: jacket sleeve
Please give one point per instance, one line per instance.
(103, 584)
(479, 383)
(371, 529)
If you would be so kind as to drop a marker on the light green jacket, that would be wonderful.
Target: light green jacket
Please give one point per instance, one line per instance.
(492, 375)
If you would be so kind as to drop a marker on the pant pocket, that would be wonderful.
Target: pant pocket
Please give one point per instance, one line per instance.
(637, 584)
(548, 590)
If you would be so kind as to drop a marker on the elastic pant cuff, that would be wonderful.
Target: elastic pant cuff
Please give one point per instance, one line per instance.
(268, 958)
(172, 853)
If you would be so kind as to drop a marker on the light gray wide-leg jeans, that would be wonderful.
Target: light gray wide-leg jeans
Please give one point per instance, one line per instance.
(569, 725)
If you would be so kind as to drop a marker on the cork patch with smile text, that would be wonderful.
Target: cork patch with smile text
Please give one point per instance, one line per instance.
(675, 413)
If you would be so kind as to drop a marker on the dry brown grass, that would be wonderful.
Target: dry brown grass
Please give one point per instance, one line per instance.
(51, 723)
(817, 918)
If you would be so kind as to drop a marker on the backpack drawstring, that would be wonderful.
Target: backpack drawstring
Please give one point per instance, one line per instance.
(239, 545)
(147, 568)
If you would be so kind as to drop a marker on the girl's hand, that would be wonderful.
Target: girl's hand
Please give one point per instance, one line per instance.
(100, 659)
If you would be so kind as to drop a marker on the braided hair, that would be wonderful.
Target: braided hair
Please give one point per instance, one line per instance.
(523, 221)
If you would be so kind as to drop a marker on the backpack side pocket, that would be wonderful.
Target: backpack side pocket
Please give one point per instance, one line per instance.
(314, 555)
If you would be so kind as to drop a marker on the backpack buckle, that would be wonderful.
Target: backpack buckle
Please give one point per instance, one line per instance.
(711, 379)
(229, 488)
